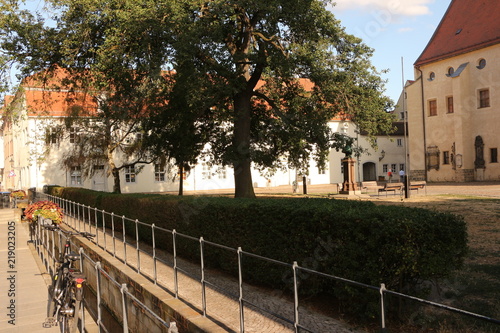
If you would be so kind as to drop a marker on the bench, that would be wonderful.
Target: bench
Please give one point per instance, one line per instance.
(339, 188)
(418, 186)
(391, 187)
(371, 186)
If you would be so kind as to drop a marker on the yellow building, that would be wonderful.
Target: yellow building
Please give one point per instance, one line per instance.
(453, 104)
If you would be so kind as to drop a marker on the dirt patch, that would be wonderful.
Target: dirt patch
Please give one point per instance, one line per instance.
(476, 287)
(481, 214)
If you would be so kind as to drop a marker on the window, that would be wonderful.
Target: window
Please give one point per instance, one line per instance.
(433, 107)
(206, 171)
(493, 155)
(76, 176)
(446, 157)
(449, 104)
(481, 63)
(222, 172)
(393, 167)
(402, 166)
(400, 142)
(129, 174)
(385, 168)
(321, 171)
(73, 135)
(51, 135)
(484, 98)
(159, 172)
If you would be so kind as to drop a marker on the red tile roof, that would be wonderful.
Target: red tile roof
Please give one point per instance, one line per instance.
(467, 25)
(42, 103)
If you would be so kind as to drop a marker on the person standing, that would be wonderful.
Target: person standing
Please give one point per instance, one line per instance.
(389, 175)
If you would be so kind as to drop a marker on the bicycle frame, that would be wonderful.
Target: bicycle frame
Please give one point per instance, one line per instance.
(66, 290)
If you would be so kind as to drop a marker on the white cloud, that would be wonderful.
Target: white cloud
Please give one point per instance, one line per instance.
(403, 30)
(395, 7)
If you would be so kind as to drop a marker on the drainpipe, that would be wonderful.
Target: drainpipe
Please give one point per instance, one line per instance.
(423, 119)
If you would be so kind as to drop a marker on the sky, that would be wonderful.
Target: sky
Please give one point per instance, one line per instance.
(397, 30)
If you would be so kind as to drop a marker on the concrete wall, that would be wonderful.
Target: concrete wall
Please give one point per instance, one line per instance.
(155, 298)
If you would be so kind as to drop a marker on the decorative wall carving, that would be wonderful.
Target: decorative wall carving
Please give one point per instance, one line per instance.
(479, 162)
(433, 155)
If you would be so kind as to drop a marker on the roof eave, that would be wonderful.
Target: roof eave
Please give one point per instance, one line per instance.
(420, 63)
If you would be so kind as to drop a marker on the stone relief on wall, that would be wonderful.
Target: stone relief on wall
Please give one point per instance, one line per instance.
(433, 155)
(479, 162)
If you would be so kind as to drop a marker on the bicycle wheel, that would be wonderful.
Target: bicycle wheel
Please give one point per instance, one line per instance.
(50, 320)
(55, 287)
(69, 323)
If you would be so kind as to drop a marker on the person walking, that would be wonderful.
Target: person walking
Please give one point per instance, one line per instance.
(389, 175)
(401, 176)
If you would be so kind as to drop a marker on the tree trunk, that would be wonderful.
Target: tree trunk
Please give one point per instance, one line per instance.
(241, 146)
(181, 179)
(116, 181)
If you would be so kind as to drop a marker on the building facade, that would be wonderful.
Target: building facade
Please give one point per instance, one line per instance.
(454, 102)
(33, 155)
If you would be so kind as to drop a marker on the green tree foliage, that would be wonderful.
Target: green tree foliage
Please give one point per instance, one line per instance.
(114, 69)
(240, 44)
(268, 75)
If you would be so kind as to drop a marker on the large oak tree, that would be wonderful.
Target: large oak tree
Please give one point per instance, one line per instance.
(273, 73)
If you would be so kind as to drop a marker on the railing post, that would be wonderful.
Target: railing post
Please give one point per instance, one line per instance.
(113, 233)
(73, 215)
(82, 326)
(80, 251)
(98, 282)
(54, 258)
(70, 211)
(38, 237)
(90, 223)
(96, 228)
(83, 218)
(202, 267)
(104, 228)
(124, 240)
(382, 308)
(70, 215)
(174, 250)
(78, 216)
(295, 298)
(154, 253)
(137, 245)
(123, 289)
(240, 286)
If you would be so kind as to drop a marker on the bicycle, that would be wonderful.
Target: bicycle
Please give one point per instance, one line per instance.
(66, 290)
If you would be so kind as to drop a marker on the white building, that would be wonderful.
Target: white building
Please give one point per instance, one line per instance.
(31, 162)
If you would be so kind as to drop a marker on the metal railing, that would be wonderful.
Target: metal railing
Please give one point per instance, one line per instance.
(119, 244)
(45, 244)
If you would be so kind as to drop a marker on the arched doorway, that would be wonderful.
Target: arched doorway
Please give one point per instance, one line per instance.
(369, 172)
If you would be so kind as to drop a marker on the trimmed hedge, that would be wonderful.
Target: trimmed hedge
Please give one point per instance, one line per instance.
(356, 240)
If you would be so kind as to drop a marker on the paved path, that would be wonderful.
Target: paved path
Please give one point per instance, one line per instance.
(220, 306)
(486, 189)
(22, 286)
